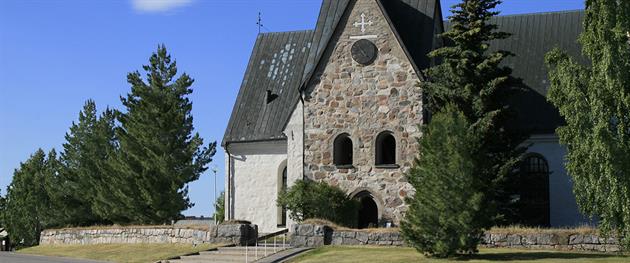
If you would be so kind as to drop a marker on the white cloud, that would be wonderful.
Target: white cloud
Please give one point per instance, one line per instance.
(155, 6)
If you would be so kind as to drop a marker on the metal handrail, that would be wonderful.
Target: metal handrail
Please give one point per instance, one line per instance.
(265, 237)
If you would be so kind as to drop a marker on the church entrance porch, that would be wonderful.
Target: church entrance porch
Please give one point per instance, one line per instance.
(368, 210)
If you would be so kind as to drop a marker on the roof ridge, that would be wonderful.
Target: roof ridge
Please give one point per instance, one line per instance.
(535, 14)
(288, 31)
(544, 13)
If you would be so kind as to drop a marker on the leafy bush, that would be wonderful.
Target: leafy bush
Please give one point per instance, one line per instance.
(219, 208)
(308, 199)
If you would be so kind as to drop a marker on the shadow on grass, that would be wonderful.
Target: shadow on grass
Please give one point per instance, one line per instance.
(537, 255)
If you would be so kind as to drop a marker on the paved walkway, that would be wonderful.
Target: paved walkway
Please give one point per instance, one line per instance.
(10, 257)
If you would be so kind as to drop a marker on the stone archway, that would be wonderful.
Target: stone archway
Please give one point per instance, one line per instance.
(368, 213)
(369, 209)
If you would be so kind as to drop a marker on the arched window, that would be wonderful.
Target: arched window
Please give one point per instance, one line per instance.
(342, 152)
(385, 149)
(534, 192)
(282, 211)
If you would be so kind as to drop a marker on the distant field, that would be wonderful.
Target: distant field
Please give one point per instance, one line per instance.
(128, 253)
(347, 254)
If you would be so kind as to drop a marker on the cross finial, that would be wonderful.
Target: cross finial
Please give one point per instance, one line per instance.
(363, 23)
(259, 23)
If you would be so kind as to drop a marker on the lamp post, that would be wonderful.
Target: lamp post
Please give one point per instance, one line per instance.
(214, 170)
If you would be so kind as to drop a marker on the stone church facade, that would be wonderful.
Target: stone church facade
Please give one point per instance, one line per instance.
(341, 104)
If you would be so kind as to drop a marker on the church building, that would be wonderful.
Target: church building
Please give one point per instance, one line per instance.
(341, 104)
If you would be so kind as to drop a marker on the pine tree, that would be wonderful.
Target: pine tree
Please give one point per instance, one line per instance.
(27, 201)
(595, 102)
(54, 214)
(83, 175)
(471, 78)
(159, 154)
(3, 206)
(445, 215)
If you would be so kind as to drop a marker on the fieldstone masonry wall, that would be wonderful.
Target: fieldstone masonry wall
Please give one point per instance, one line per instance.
(318, 235)
(221, 234)
(564, 241)
(363, 101)
(307, 235)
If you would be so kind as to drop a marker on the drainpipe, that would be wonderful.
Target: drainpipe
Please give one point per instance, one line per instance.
(228, 214)
(303, 133)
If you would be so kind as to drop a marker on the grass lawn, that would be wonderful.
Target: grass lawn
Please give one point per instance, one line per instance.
(342, 254)
(131, 253)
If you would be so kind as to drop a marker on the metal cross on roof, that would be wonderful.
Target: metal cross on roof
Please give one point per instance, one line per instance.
(363, 23)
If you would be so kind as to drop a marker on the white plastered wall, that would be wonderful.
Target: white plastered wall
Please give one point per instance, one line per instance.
(295, 149)
(255, 170)
(564, 211)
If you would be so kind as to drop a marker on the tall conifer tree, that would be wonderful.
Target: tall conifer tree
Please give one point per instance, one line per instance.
(159, 153)
(27, 202)
(595, 102)
(467, 92)
(83, 177)
(471, 78)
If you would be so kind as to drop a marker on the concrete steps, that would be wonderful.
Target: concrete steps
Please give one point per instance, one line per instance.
(232, 254)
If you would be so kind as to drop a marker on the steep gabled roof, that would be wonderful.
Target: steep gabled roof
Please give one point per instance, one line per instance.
(253, 119)
(269, 87)
(416, 23)
(330, 14)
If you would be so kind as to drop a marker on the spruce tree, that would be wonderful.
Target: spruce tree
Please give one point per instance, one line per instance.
(595, 102)
(471, 78)
(159, 154)
(89, 145)
(445, 215)
(27, 202)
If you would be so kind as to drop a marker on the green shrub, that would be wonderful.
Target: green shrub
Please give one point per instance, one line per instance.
(308, 199)
(445, 215)
(219, 208)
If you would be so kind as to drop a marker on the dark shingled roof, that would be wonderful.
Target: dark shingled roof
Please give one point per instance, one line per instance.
(416, 23)
(330, 14)
(533, 35)
(269, 88)
(284, 62)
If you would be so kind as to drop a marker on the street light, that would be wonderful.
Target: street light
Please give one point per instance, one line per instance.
(214, 170)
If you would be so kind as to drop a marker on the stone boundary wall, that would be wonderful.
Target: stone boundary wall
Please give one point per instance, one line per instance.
(563, 241)
(310, 235)
(222, 234)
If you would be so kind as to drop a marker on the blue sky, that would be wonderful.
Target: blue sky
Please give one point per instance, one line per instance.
(55, 54)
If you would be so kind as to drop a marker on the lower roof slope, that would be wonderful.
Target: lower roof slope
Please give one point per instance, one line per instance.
(269, 89)
(533, 35)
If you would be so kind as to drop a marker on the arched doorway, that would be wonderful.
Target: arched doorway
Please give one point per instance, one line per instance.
(368, 210)
(534, 192)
